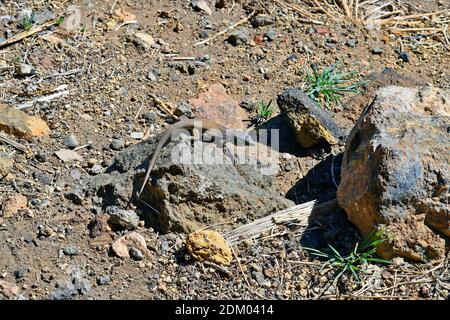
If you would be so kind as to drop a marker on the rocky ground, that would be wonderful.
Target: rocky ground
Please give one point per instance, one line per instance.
(94, 89)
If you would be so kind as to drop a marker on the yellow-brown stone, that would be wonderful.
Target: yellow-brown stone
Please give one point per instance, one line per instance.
(209, 245)
(18, 123)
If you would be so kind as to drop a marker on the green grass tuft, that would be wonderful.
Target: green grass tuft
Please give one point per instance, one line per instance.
(265, 110)
(329, 85)
(27, 22)
(362, 254)
(59, 20)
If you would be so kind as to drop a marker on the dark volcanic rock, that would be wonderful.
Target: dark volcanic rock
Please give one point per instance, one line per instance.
(261, 21)
(190, 196)
(395, 171)
(238, 37)
(124, 219)
(311, 123)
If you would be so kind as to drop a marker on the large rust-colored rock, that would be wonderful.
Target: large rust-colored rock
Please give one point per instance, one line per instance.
(395, 171)
(209, 245)
(218, 106)
(18, 123)
(310, 123)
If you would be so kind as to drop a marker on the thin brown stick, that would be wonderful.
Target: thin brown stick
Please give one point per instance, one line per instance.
(357, 10)
(240, 265)
(227, 29)
(112, 7)
(219, 268)
(346, 8)
(25, 34)
(407, 30)
(162, 105)
(308, 263)
(182, 58)
(14, 144)
(366, 297)
(294, 7)
(402, 18)
(420, 15)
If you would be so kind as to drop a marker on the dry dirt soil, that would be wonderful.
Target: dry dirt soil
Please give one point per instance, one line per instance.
(46, 250)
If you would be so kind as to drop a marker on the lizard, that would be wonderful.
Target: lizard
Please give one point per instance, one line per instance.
(192, 124)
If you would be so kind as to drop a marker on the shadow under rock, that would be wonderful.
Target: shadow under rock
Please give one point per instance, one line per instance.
(330, 227)
(318, 183)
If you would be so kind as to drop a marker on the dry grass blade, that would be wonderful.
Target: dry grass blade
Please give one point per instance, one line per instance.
(409, 30)
(14, 144)
(302, 12)
(227, 29)
(300, 213)
(378, 13)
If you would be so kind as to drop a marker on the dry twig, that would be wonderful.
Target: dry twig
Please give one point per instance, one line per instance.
(25, 34)
(165, 107)
(14, 144)
(227, 29)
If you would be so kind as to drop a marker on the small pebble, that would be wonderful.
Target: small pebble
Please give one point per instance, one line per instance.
(261, 21)
(238, 37)
(136, 254)
(164, 245)
(137, 135)
(71, 141)
(96, 169)
(377, 50)
(70, 251)
(404, 56)
(351, 43)
(271, 35)
(103, 280)
(24, 70)
(151, 76)
(117, 144)
(288, 167)
(20, 273)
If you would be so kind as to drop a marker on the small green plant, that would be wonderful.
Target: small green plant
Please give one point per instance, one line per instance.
(265, 110)
(330, 84)
(59, 20)
(363, 253)
(27, 22)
